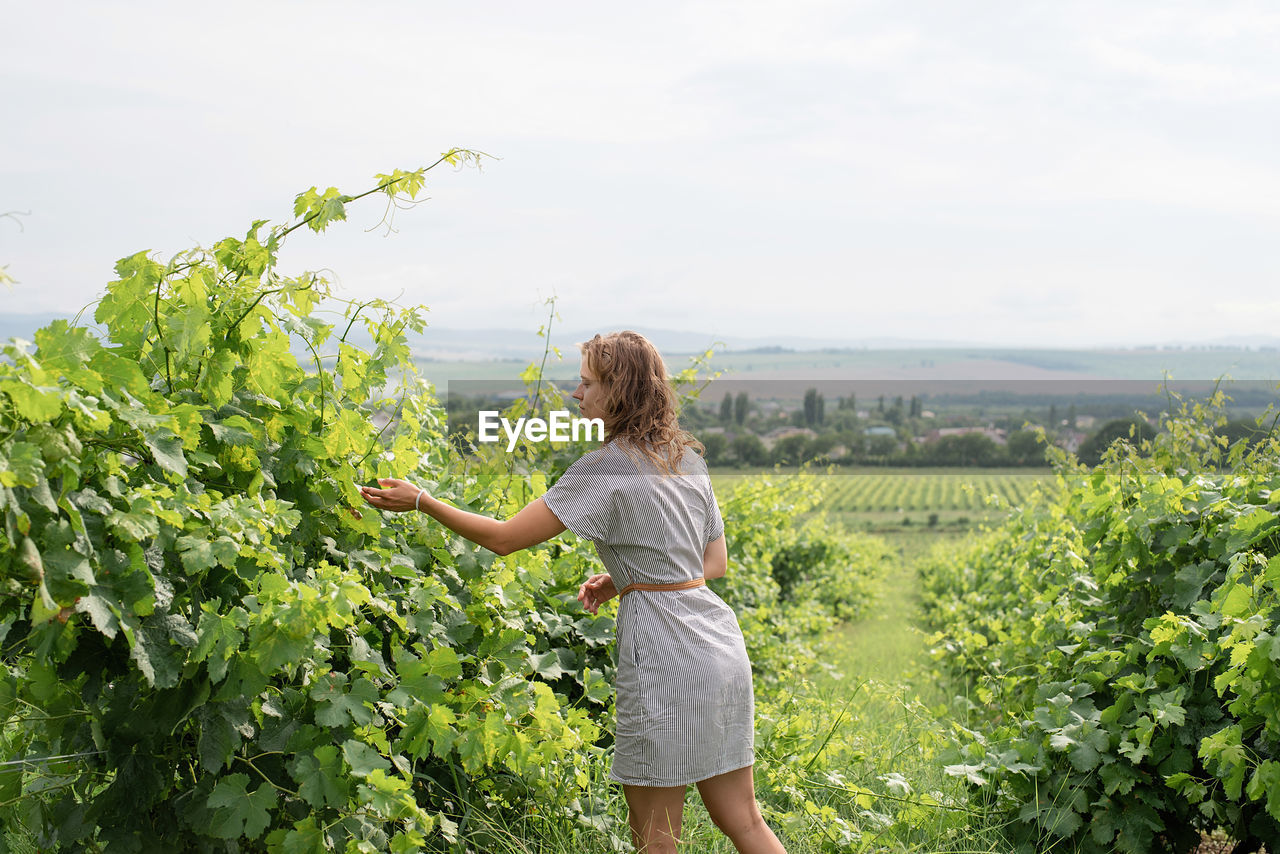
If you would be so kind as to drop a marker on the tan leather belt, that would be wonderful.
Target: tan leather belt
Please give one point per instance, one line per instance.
(679, 585)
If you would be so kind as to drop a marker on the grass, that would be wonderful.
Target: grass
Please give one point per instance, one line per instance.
(899, 714)
(887, 646)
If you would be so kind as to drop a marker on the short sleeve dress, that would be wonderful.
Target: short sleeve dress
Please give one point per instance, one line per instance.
(685, 708)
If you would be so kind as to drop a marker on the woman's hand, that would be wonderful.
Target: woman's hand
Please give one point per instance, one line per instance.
(395, 495)
(534, 524)
(596, 590)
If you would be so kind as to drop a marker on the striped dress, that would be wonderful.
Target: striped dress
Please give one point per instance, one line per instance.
(684, 700)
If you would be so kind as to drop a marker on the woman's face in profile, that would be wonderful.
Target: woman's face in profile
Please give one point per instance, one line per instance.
(589, 392)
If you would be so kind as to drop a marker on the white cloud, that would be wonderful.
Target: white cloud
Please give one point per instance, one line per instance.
(1186, 79)
(1268, 310)
(809, 167)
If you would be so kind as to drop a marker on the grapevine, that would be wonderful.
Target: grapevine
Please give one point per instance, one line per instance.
(1118, 637)
(208, 641)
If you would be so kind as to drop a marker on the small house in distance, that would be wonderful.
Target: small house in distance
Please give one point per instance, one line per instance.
(1000, 437)
(773, 436)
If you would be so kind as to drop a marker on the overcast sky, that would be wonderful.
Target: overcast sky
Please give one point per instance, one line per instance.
(1044, 173)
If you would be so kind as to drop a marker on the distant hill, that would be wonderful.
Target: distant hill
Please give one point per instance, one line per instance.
(516, 343)
(501, 353)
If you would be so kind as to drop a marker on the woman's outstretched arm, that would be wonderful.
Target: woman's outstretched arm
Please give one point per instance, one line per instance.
(535, 523)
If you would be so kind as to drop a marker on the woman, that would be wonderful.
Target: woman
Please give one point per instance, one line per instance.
(684, 700)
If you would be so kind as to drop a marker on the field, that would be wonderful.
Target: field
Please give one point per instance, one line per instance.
(930, 489)
(893, 498)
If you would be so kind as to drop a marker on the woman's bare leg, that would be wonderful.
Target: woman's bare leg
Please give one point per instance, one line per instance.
(731, 800)
(655, 814)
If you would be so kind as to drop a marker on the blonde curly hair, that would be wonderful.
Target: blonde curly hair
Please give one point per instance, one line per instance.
(638, 401)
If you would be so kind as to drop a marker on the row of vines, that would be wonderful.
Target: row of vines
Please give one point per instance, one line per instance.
(208, 642)
(1118, 637)
(917, 491)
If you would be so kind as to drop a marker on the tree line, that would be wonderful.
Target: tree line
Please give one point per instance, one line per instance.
(898, 431)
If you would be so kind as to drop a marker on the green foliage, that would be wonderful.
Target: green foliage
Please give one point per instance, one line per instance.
(196, 608)
(1133, 430)
(749, 450)
(965, 449)
(840, 573)
(792, 450)
(210, 643)
(715, 448)
(1024, 448)
(1117, 635)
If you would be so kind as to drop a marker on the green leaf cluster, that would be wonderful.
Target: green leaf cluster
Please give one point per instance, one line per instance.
(1117, 637)
(198, 607)
(230, 650)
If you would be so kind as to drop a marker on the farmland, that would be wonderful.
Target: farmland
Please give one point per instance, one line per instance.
(503, 354)
(890, 498)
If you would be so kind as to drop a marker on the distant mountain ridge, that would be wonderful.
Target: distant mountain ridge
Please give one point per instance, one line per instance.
(439, 343)
(494, 343)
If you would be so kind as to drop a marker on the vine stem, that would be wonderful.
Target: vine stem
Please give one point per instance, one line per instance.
(384, 185)
(542, 369)
(264, 777)
(168, 376)
(818, 784)
(1273, 425)
(236, 323)
(320, 375)
(355, 315)
(546, 350)
(376, 439)
(831, 732)
(58, 758)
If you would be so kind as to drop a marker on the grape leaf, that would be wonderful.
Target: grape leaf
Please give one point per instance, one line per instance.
(37, 405)
(240, 813)
(151, 651)
(305, 838)
(363, 759)
(166, 448)
(100, 613)
(234, 430)
(337, 707)
(321, 779)
(61, 347)
(118, 372)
